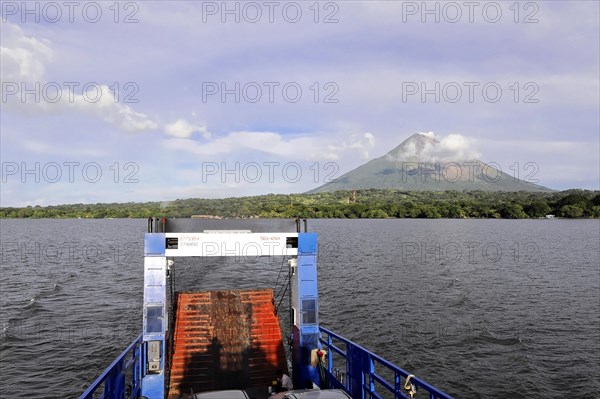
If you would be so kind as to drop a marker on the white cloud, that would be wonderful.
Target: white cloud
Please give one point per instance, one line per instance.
(364, 143)
(22, 58)
(453, 147)
(110, 111)
(183, 129)
(293, 148)
(101, 103)
(23, 65)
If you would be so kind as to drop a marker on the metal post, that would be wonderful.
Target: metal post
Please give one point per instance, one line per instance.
(330, 352)
(371, 378)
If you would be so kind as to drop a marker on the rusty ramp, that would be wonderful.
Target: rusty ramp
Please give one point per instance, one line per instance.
(224, 340)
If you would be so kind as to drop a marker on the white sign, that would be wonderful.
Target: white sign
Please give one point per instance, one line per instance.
(230, 244)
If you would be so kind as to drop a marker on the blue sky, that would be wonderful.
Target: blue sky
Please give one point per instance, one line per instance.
(321, 88)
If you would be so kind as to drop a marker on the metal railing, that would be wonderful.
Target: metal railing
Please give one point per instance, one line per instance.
(123, 378)
(360, 376)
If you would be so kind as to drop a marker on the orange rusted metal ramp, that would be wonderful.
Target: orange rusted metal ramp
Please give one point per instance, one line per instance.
(225, 340)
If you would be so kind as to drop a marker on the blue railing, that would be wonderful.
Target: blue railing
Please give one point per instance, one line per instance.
(361, 376)
(123, 378)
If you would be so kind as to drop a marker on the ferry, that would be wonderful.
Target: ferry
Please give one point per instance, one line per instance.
(228, 344)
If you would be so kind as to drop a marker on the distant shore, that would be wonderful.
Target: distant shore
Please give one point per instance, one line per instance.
(371, 203)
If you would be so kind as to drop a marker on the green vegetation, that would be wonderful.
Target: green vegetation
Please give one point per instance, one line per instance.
(342, 204)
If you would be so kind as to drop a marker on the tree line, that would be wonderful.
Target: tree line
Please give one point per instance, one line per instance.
(371, 203)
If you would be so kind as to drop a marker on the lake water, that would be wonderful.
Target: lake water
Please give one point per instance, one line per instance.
(478, 308)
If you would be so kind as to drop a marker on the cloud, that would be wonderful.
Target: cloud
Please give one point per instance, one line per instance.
(22, 58)
(431, 148)
(307, 147)
(369, 77)
(183, 129)
(23, 67)
(100, 103)
(451, 148)
(364, 143)
(111, 111)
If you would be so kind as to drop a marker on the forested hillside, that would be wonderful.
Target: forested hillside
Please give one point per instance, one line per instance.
(344, 204)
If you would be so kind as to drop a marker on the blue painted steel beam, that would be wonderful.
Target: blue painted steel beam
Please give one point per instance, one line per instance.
(155, 312)
(154, 244)
(305, 299)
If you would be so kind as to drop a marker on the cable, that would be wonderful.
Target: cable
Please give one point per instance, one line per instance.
(284, 286)
(282, 297)
(278, 275)
(281, 292)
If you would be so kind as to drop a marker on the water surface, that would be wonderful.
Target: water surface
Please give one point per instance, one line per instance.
(478, 308)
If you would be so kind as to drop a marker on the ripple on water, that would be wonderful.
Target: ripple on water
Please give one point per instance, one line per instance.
(476, 330)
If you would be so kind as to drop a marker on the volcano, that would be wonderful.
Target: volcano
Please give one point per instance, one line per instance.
(419, 164)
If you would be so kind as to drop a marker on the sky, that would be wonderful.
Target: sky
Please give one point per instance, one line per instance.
(159, 100)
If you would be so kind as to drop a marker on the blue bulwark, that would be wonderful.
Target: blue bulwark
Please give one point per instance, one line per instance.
(306, 331)
(154, 244)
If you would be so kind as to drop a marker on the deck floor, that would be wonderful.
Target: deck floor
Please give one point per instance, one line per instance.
(225, 340)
